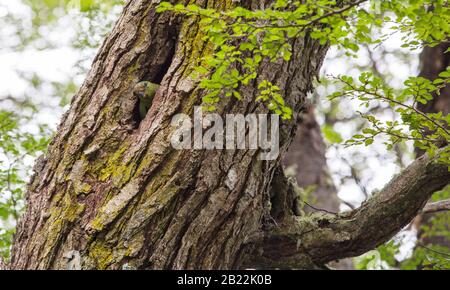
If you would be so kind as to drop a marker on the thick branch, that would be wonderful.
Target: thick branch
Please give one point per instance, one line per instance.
(382, 216)
(325, 237)
(434, 207)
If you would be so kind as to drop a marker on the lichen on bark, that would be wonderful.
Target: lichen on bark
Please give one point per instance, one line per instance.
(116, 192)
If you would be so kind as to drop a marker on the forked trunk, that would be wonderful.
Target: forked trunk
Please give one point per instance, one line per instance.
(112, 192)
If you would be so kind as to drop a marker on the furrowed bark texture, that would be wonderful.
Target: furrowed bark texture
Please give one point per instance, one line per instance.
(324, 237)
(112, 193)
(117, 193)
(307, 157)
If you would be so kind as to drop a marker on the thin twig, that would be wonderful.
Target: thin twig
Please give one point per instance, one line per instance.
(439, 206)
(434, 251)
(319, 209)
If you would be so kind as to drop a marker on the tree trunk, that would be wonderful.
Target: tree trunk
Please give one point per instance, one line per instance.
(117, 193)
(112, 193)
(307, 156)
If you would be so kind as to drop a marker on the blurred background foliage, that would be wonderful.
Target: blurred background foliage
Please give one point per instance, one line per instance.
(76, 28)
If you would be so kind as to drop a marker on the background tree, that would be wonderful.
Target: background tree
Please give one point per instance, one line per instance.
(432, 248)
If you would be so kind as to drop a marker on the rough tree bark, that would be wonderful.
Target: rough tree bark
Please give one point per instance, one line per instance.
(112, 192)
(433, 61)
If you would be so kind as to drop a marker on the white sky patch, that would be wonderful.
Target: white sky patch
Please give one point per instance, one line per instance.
(15, 7)
(379, 166)
(53, 65)
(407, 240)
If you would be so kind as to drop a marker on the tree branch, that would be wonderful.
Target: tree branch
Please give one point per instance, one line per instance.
(321, 237)
(434, 207)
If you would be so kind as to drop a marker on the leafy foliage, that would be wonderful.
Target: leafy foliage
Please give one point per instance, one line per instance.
(244, 40)
(15, 147)
(427, 130)
(380, 259)
(431, 257)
